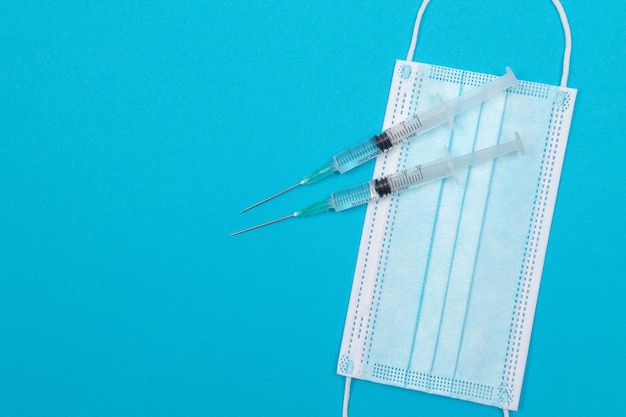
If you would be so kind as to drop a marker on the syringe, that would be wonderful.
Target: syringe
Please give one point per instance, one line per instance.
(404, 131)
(401, 181)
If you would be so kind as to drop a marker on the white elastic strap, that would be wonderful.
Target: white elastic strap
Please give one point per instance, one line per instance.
(568, 41)
(564, 22)
(505, 412)
(416, 29)
(346, 397)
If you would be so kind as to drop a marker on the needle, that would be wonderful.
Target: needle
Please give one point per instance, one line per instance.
(270, 197)
(263, 224)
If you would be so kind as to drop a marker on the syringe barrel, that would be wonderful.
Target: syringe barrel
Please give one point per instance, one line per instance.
(354, 196)
(391, 184)
(356, 155)
(388, 139)
(420, 124)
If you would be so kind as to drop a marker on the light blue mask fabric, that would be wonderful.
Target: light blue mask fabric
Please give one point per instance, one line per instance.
(447, 276)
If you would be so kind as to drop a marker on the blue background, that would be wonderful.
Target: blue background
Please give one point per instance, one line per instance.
(132, 134)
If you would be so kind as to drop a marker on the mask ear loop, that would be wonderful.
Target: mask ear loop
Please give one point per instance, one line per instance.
(416, 29)
(346, 397)
(564, 22)
(568, 41)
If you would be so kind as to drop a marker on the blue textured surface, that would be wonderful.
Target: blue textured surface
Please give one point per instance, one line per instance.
(132, 134)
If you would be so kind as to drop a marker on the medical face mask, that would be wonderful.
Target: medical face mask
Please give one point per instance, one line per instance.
(447, 276)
